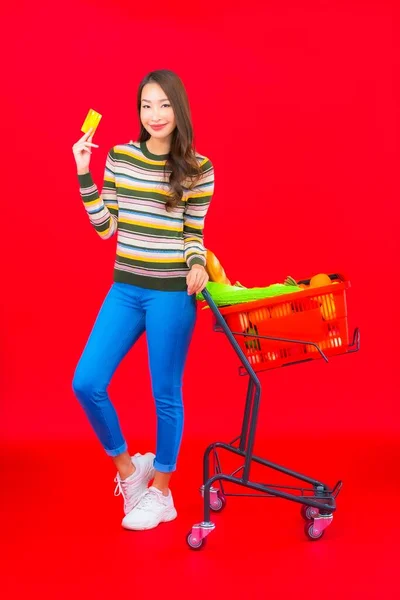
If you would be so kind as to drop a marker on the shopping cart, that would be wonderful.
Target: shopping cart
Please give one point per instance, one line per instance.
(266, 334)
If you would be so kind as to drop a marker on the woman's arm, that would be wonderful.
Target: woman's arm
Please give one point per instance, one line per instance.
(195, 213)
(102, 209)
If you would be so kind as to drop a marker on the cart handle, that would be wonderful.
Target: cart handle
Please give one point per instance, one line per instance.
(224, 327)
(279, 339)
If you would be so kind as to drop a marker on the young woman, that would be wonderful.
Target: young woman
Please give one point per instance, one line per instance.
(155, 196)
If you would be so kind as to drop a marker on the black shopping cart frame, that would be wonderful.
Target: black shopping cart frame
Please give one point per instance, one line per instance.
(318, 500)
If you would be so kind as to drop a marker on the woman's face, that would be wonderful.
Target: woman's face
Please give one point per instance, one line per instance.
(156, 112)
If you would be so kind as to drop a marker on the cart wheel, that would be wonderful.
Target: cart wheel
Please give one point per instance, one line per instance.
(309, 512)
(309, 531)
(220, 505)
(195, 545)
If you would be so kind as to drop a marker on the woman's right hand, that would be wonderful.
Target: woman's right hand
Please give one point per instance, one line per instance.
(82, 152)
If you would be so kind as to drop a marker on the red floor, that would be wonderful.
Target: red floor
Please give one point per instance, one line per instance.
(61, 533)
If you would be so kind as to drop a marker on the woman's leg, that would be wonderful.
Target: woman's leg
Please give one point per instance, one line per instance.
(170, 321)
(119, 324)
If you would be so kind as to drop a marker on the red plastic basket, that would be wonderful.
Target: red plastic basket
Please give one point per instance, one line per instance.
(317, 315)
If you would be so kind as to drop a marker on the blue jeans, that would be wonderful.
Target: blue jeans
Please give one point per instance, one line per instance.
(168, 319)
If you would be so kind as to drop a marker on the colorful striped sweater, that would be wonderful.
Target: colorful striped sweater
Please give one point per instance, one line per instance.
(155, 248)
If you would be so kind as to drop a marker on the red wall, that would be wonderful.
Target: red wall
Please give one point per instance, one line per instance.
(295, 104)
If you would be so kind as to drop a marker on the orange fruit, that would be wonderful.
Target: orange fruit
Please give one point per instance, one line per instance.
(244, 321)
(320, 280)
(281, 310)
(328, 308)
(259, 315)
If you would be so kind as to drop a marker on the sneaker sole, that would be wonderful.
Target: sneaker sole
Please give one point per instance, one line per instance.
(170, 516)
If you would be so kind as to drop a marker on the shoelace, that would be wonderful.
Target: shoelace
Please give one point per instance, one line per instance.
(119, 488)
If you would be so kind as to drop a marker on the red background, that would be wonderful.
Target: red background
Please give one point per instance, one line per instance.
(296, 104)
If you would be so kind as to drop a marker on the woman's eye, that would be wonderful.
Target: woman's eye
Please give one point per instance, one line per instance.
(147, 106)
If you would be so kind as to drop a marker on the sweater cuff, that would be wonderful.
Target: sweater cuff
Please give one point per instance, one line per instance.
(196, 259)
(86, 180)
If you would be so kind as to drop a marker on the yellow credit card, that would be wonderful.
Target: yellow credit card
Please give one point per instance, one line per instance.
(91, 122)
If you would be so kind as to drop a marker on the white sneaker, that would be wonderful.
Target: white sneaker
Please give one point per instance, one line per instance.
(133, 487)
(152, 509)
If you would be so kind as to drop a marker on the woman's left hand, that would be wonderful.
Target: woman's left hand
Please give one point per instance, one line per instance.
(196, 279)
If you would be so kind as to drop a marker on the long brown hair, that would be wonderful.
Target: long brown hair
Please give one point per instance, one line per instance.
(182, 158)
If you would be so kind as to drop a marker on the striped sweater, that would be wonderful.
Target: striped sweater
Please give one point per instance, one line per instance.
(155, 248)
